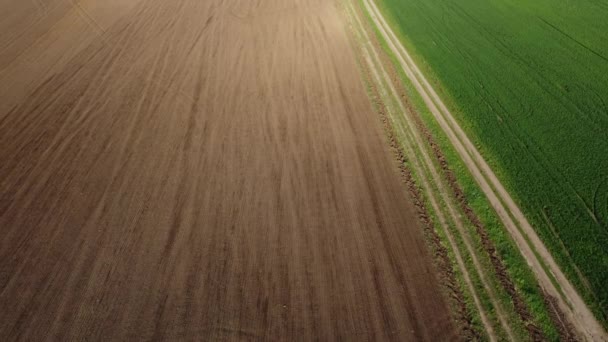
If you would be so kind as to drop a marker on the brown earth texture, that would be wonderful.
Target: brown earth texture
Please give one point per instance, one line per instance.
(200, 170)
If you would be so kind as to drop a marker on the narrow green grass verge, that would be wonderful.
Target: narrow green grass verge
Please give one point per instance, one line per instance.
(517, 268)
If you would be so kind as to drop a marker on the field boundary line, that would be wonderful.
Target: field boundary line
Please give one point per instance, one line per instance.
(443, 221)
(423, 165)
(532, 248)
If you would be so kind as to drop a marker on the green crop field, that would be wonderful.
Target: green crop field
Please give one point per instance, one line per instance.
(528, 80)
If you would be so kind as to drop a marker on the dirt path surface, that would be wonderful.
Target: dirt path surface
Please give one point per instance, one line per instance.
(532, 248)
(199, 170)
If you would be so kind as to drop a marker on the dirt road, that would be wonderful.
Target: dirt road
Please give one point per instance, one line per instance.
(199, 170)
(546, 270)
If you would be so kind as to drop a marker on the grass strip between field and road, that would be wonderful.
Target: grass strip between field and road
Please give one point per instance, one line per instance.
(536, 255)
(479, 284)
(468, 271)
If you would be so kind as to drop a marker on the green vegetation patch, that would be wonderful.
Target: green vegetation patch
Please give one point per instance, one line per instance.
(528, 81)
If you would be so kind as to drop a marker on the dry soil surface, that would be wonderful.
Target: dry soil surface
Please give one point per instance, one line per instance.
(199, 170)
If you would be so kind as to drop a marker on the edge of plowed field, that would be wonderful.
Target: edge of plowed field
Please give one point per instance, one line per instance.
(493, 302)
(549, 275)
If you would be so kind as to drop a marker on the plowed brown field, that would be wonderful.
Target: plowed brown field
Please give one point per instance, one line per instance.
(199, 170)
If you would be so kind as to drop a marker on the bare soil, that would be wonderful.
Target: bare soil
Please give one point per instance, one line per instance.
(200, 170)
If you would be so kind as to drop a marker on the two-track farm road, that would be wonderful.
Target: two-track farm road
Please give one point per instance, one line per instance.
(199, 170)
